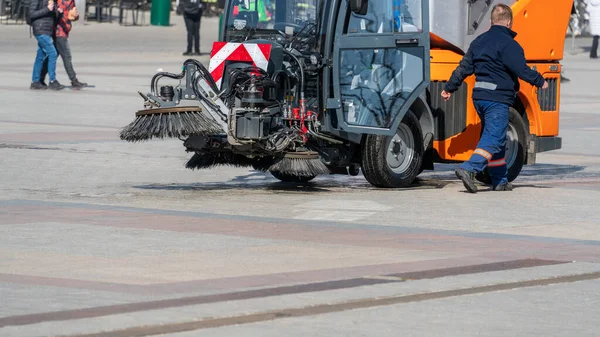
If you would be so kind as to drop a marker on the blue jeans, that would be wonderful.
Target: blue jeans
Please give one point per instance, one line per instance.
(64, 51)
(492, 146)
(45, 50)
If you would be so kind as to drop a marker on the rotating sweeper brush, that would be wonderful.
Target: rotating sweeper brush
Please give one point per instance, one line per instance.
(170, 122)
(209, 160)
(301, 164)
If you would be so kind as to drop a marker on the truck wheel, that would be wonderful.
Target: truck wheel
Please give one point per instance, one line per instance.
(516, 148)
(289, 178)
(394, 161)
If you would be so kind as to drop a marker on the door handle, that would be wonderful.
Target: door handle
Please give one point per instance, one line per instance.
(407, 42)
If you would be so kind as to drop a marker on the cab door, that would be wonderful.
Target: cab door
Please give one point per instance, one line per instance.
(380, 64)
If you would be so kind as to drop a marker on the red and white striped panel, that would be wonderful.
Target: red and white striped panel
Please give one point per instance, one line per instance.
(257, 54)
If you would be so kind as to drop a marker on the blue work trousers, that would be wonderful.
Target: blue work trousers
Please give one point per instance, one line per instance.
(45, 50)
(492, 146)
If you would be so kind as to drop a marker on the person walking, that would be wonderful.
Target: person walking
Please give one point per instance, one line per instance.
(42, 15)
(593, 9)
(66, 13)
(192, 13)
(498, 61)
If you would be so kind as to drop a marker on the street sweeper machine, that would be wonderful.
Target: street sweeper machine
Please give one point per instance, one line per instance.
(301, 88)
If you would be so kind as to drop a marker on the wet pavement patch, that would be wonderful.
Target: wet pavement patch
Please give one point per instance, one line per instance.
(259, 182)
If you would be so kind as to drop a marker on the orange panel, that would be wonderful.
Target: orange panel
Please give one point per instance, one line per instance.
(459, 147)
(541, 26)
(444, 56)
(541, 123)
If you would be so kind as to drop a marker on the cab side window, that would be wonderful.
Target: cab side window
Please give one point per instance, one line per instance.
(379, 19)
(387, 16)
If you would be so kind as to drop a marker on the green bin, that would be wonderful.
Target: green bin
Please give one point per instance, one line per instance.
(160, 13)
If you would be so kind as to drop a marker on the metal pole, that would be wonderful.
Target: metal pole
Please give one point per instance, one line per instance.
(80, 4)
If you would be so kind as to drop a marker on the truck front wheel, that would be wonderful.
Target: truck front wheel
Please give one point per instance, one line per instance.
(394, 161)
(516, 148)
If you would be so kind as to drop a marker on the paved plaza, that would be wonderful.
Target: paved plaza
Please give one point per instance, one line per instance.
(99, 237)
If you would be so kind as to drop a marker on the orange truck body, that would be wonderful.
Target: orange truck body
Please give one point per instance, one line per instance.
(541, 26)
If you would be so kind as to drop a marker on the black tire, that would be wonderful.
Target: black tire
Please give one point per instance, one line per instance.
(289, 178)
(390, 165)
(516, 144)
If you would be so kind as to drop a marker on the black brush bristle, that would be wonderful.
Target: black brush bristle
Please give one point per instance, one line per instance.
(211, 159)
(170, 125)
(262, 164)
(300, 167)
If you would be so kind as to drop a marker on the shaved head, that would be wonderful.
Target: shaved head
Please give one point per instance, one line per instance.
(502, 15)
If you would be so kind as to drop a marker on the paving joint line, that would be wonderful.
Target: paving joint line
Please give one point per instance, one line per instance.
(270, 292)
(151, 330)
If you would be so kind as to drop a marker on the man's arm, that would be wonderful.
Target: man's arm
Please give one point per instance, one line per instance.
(464, 70)
(513, 58)
(34, 12)
(62, 10)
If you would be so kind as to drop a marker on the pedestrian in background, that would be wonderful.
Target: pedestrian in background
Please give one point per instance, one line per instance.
(498, 61)
(593, 9)
(66, 13)
(192, 13)
(41, 17)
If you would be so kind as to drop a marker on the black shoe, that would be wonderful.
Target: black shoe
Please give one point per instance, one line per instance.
(593, 56)
(55, 86)
(468, 179)
(38, 86)
(197, 53)
(188, 53)
(43, 83)
(503, 187)
(78, 85)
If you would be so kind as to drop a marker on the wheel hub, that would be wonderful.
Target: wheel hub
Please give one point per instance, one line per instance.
(400, 150)
(397, 147)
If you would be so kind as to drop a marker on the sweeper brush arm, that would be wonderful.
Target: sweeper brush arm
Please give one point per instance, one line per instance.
(193, 108)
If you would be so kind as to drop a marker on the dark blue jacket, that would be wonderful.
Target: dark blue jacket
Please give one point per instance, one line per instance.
(498, 61)
(42, 19)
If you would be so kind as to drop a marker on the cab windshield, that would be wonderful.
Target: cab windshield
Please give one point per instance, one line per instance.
(246, 19)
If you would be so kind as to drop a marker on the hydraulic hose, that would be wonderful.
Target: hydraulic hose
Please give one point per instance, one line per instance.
(205, 73)
(155, 78)
(300, 65)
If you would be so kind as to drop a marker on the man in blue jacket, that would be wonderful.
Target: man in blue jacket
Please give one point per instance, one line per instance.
(498, 61)
(42, 16)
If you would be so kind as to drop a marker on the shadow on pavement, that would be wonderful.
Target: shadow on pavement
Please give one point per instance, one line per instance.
(557, 171)
(264, 182)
